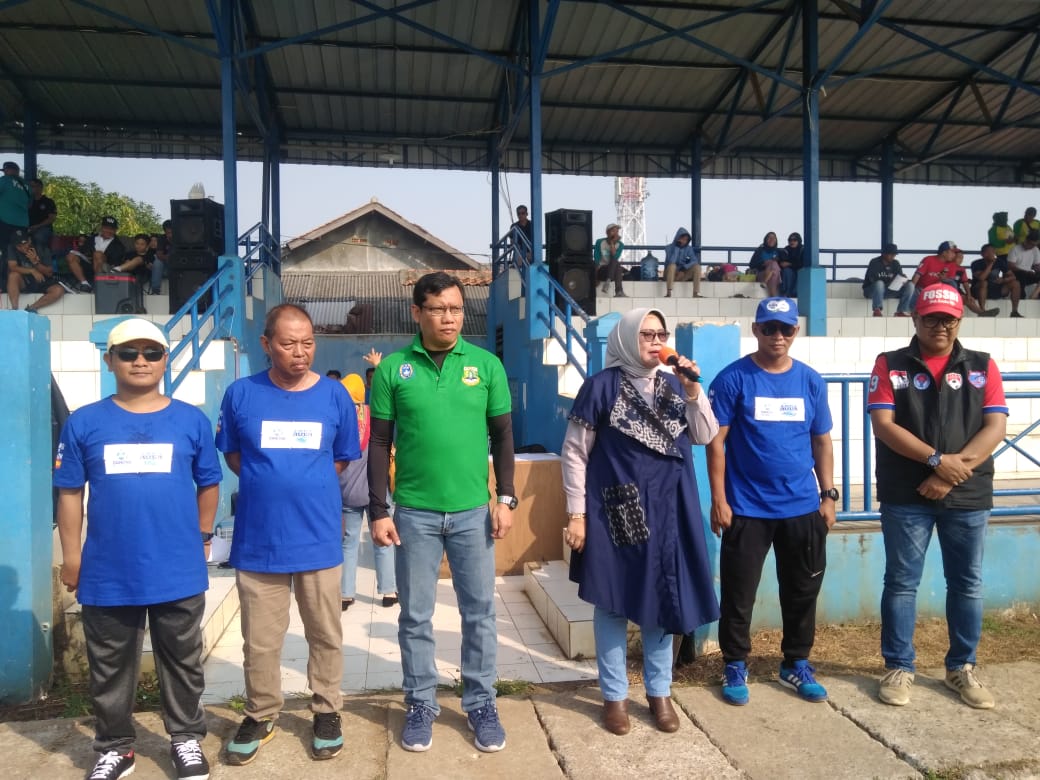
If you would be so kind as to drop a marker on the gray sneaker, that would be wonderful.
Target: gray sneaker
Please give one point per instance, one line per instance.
(973, 692)
(895, 687)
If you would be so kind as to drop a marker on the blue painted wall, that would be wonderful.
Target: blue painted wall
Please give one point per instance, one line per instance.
(25, 523)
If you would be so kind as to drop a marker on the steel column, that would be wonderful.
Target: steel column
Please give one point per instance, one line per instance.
(534, 85)
(695, 194)
(812, 280)
(29, 144)
(227, 100)
(888, 177)
(495, 205)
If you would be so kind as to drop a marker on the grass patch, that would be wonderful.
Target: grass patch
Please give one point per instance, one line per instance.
(513, 687)
(237, 703)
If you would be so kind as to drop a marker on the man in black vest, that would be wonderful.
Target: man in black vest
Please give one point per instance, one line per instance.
(938, 412)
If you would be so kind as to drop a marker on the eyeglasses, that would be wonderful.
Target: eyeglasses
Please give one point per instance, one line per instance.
(770, 329)
(441, 311)
(650, 335)
(933, 321)
(129, 354)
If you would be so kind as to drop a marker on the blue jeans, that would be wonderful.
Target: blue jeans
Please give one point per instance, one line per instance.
(466, 538)
(611, 632)
(157, 275)
(907, 529)
(789, 282)
(386, 580)
(879, 291)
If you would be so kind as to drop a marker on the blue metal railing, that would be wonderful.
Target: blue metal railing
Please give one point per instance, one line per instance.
(865, 503)
(259, 250)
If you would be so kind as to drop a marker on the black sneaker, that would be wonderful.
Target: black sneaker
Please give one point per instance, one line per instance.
(68, 287)
(113, 765)
(189, 761)
(85, 287)
(251, 735)
(328, 736)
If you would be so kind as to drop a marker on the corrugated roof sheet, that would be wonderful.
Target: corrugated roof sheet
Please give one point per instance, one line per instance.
(432, 89)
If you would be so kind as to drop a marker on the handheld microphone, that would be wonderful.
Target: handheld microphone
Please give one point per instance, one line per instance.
(670, 357)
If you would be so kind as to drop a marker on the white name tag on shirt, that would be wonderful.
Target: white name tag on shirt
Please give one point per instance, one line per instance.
(153, 458)
(780, 409)
(288, 435)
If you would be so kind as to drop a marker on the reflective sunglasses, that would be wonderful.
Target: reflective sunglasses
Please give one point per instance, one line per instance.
(130, 354)
(770, 329)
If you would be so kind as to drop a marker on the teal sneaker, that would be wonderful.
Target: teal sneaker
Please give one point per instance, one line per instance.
(799, 678)
(734, 688)
(252, 734)
(328, 736)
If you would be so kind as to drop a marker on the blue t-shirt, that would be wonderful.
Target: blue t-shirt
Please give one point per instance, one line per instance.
(772, 419)
(143, 544)
(287, 518)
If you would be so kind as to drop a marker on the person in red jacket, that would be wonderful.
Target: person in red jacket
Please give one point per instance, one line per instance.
(946, 267)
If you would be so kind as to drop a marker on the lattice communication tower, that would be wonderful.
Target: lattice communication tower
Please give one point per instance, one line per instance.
(630, 198)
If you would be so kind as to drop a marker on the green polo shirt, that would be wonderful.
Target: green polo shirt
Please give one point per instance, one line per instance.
(440, 422)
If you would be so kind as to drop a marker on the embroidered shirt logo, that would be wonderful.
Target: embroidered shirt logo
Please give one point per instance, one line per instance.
(470, 376)
(899, 380)
(406, 371)
(922, 381)
(954, 380)
(977, 379)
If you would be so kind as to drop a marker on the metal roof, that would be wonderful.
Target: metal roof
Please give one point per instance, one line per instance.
(626, 86)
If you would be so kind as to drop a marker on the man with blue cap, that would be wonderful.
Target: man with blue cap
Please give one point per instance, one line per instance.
(771, 470)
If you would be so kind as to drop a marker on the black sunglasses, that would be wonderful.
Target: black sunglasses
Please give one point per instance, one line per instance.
(130, 354)
(770, 329)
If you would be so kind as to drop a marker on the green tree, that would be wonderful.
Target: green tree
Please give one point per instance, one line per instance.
(81, 207)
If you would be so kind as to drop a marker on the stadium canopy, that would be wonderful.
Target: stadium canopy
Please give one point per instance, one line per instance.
(904, 90)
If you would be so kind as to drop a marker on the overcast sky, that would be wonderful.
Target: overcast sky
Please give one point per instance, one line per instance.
(455, 206)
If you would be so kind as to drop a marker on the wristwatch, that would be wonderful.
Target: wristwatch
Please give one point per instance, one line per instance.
(510, 501)
(934, 460)
(831, 493)
(207, 536)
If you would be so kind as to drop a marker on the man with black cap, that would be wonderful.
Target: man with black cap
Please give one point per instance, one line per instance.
(882, 271)
(14, 204)
(945, 267)
(105, 251)
(938, 411)
(771, 471)
(26, 272)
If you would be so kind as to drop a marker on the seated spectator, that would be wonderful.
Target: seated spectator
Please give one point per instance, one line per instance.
(105, 251)
(991, 279)
(945, 268)
(26, 272)
(681, 263)
(141, 263)
(877, 283)
(765, 267)
(162, 246)
(79, 263)
(1024, 226)
(790, 262)
(606, 256)
(1024, 262)
(42, 213)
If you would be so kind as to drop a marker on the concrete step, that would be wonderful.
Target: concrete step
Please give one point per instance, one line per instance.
(555, 598)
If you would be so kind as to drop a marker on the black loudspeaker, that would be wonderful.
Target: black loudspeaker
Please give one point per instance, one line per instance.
(569, 233)
(116, 293)
(193, 260)
(576, 275)
(184, 284)
(198, 223)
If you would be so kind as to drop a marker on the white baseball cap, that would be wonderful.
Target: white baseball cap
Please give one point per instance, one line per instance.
(134, 329)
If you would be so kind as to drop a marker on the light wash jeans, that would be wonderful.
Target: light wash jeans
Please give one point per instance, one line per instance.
(879, 291)
(466, 538)
(611, 632)
(907, 529)
(386, 580)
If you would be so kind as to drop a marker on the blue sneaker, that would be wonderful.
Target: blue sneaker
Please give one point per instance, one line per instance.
(799, 678)
(251, 735)
(734, 688)
(417, 735)
(489, 735)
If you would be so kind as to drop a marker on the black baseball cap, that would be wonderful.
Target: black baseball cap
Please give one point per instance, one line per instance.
(109, 222)
(11, 164)
(890, 249)
(19, 236)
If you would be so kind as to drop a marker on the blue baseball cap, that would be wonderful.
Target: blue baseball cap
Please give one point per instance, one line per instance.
(783, 310)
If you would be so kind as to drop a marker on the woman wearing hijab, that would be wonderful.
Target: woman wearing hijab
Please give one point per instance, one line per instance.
(764, 265)
(789, 261)
(634, 519)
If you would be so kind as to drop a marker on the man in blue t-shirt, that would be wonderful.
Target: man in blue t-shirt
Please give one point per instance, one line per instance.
(154, 481)
(288, 432)
(771, 473)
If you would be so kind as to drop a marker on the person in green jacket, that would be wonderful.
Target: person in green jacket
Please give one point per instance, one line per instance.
(14, 205)
(1026, 224)
(606, 254)
(1001, 236)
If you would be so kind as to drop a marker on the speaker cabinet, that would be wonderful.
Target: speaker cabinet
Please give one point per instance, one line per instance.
(576, 275)
(193, 260)
(184, 284)
(198, 223)
(569, 233)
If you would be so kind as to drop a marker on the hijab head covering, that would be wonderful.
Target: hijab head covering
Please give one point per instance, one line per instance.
(355, 385)
(623, 342)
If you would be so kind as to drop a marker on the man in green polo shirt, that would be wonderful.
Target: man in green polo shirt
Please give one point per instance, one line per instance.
(442, 398)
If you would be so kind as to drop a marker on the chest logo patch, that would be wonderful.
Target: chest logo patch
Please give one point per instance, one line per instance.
(922, 381)
(470, 376)
(977, 379)
(954, 380)
(899, 380)
(406, 371)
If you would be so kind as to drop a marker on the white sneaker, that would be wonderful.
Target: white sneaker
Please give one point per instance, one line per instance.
(895, 687)
(973, 692)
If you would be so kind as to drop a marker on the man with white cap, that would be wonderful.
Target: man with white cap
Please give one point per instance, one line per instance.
(606, 256)
(938, 412)
(771, 470)
(154, 481)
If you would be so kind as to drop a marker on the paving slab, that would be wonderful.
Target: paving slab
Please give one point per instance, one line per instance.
(587, 751)
(777, 735)
(454, 757)
(936, 732)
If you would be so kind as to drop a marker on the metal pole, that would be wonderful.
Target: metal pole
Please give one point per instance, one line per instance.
(495, 208)
(29, 144)
(227, 100)
(812, 279)
(695, 193)
(888, 174)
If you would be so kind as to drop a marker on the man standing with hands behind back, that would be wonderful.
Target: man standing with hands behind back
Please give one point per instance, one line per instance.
(938, 412)
(443, 397)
